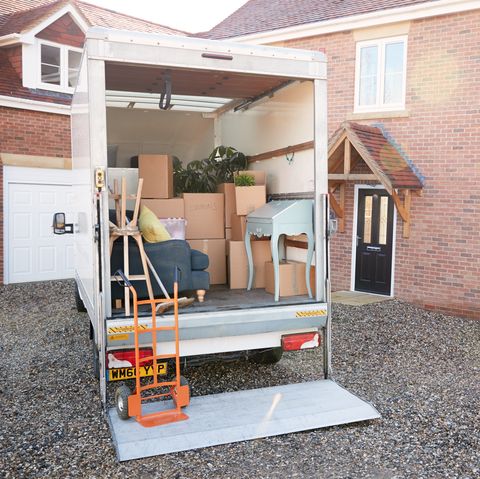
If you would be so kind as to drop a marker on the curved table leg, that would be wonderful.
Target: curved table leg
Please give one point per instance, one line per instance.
(251, 271)
(276, 267)
(311, 243)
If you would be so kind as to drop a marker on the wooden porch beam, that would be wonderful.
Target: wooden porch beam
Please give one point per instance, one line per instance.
(346, 157)
(335, 206)
(352, 177)
(341, 223)
(403, 210)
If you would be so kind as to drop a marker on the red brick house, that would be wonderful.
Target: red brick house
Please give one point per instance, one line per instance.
(40, 48)
(403, 110)
(411, 67)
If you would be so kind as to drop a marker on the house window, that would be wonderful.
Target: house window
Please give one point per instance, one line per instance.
(59, 67)
(380, 74)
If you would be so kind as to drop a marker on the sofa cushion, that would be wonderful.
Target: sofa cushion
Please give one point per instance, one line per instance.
(200, 260)
(153, 231)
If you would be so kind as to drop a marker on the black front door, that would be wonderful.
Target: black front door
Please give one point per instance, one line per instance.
(373, 267)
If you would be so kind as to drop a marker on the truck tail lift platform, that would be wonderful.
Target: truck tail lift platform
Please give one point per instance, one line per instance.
(259, 100)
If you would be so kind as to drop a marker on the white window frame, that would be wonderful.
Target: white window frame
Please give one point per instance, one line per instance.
(64, 49)
(379, 106)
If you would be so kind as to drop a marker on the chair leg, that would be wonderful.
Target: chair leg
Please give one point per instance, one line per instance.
(201, 295)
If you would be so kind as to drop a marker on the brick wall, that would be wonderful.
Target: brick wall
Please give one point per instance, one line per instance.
(34, 133)
(64, 31)
(439, 265)
(15, 57)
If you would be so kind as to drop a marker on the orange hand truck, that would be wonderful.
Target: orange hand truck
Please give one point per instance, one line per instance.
(130, 405)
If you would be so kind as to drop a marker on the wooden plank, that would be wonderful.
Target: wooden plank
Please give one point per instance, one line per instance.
(406, 224)
(352, 177)
(35, 161)
(346, 157)
(341, 223)
(335, 206)
(296, 244)
(400, 208)
(308, 145)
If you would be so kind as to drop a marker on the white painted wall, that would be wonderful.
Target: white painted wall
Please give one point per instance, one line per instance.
(284, 120)
(186, 135)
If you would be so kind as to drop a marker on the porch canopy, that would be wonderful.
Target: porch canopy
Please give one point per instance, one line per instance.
(365, 153)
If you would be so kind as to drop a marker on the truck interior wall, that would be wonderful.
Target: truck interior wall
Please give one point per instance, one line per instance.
(186, 135)
(283, 120)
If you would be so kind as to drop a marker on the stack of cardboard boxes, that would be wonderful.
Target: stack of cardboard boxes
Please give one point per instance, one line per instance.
(216, 225)
(246, 200)
(203, 212)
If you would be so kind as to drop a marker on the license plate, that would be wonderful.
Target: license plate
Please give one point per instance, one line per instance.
(118, 374)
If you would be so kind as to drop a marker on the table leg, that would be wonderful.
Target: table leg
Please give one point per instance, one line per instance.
(276, 266)
(251, 270)
(311, 243)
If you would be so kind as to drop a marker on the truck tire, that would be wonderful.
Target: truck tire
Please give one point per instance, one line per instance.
(267, 356)
(121, 401)
(95, 360)
(78, 301)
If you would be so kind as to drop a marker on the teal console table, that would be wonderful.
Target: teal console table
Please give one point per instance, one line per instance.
(276, 218)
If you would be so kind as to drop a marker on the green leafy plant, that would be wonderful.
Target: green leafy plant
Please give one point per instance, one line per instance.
(203, 176)
(244, 180)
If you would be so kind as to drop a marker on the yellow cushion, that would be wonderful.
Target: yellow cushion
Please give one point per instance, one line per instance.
(152, 230)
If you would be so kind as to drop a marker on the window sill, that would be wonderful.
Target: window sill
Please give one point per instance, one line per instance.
(372, 115)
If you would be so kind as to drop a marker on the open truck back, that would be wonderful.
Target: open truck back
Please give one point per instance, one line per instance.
(256, 99)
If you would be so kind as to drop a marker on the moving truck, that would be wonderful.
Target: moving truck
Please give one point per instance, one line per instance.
(254, 98)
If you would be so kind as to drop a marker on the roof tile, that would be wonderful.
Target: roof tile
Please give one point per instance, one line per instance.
(265, 15)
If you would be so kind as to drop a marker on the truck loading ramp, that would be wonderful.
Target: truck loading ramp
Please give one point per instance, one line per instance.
(240, 416)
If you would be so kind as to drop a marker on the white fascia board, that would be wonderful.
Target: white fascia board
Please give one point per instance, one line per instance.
(366, 20)
(34, 105)
(10, 39)
(29, 37)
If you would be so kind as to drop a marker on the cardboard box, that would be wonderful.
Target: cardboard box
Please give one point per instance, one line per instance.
(215, 249)
(166, 208)
(239, 227)
(292, 278)
(238, 265)
(228, 189)
(157, 174)
(205, 215)
(228, 233)
(249, 198)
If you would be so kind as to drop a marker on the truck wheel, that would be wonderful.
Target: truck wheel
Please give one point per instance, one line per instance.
(121, 401)
(78, 301)
(267, 356)
(95, 360)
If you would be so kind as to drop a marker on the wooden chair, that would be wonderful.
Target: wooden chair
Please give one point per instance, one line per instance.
(125, 231)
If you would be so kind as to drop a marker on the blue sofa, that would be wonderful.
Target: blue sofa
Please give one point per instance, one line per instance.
(165, 256)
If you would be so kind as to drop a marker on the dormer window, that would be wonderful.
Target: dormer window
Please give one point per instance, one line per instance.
(59, 66)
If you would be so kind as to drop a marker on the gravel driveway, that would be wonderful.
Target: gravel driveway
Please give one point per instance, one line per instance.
(420, 369)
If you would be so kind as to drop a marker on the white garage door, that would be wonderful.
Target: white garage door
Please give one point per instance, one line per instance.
(34, 253)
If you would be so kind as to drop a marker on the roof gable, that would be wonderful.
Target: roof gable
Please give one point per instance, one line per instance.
(21, 16)
(380, 153)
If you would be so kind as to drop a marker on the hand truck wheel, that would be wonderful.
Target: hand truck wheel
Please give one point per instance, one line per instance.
(121, 401)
